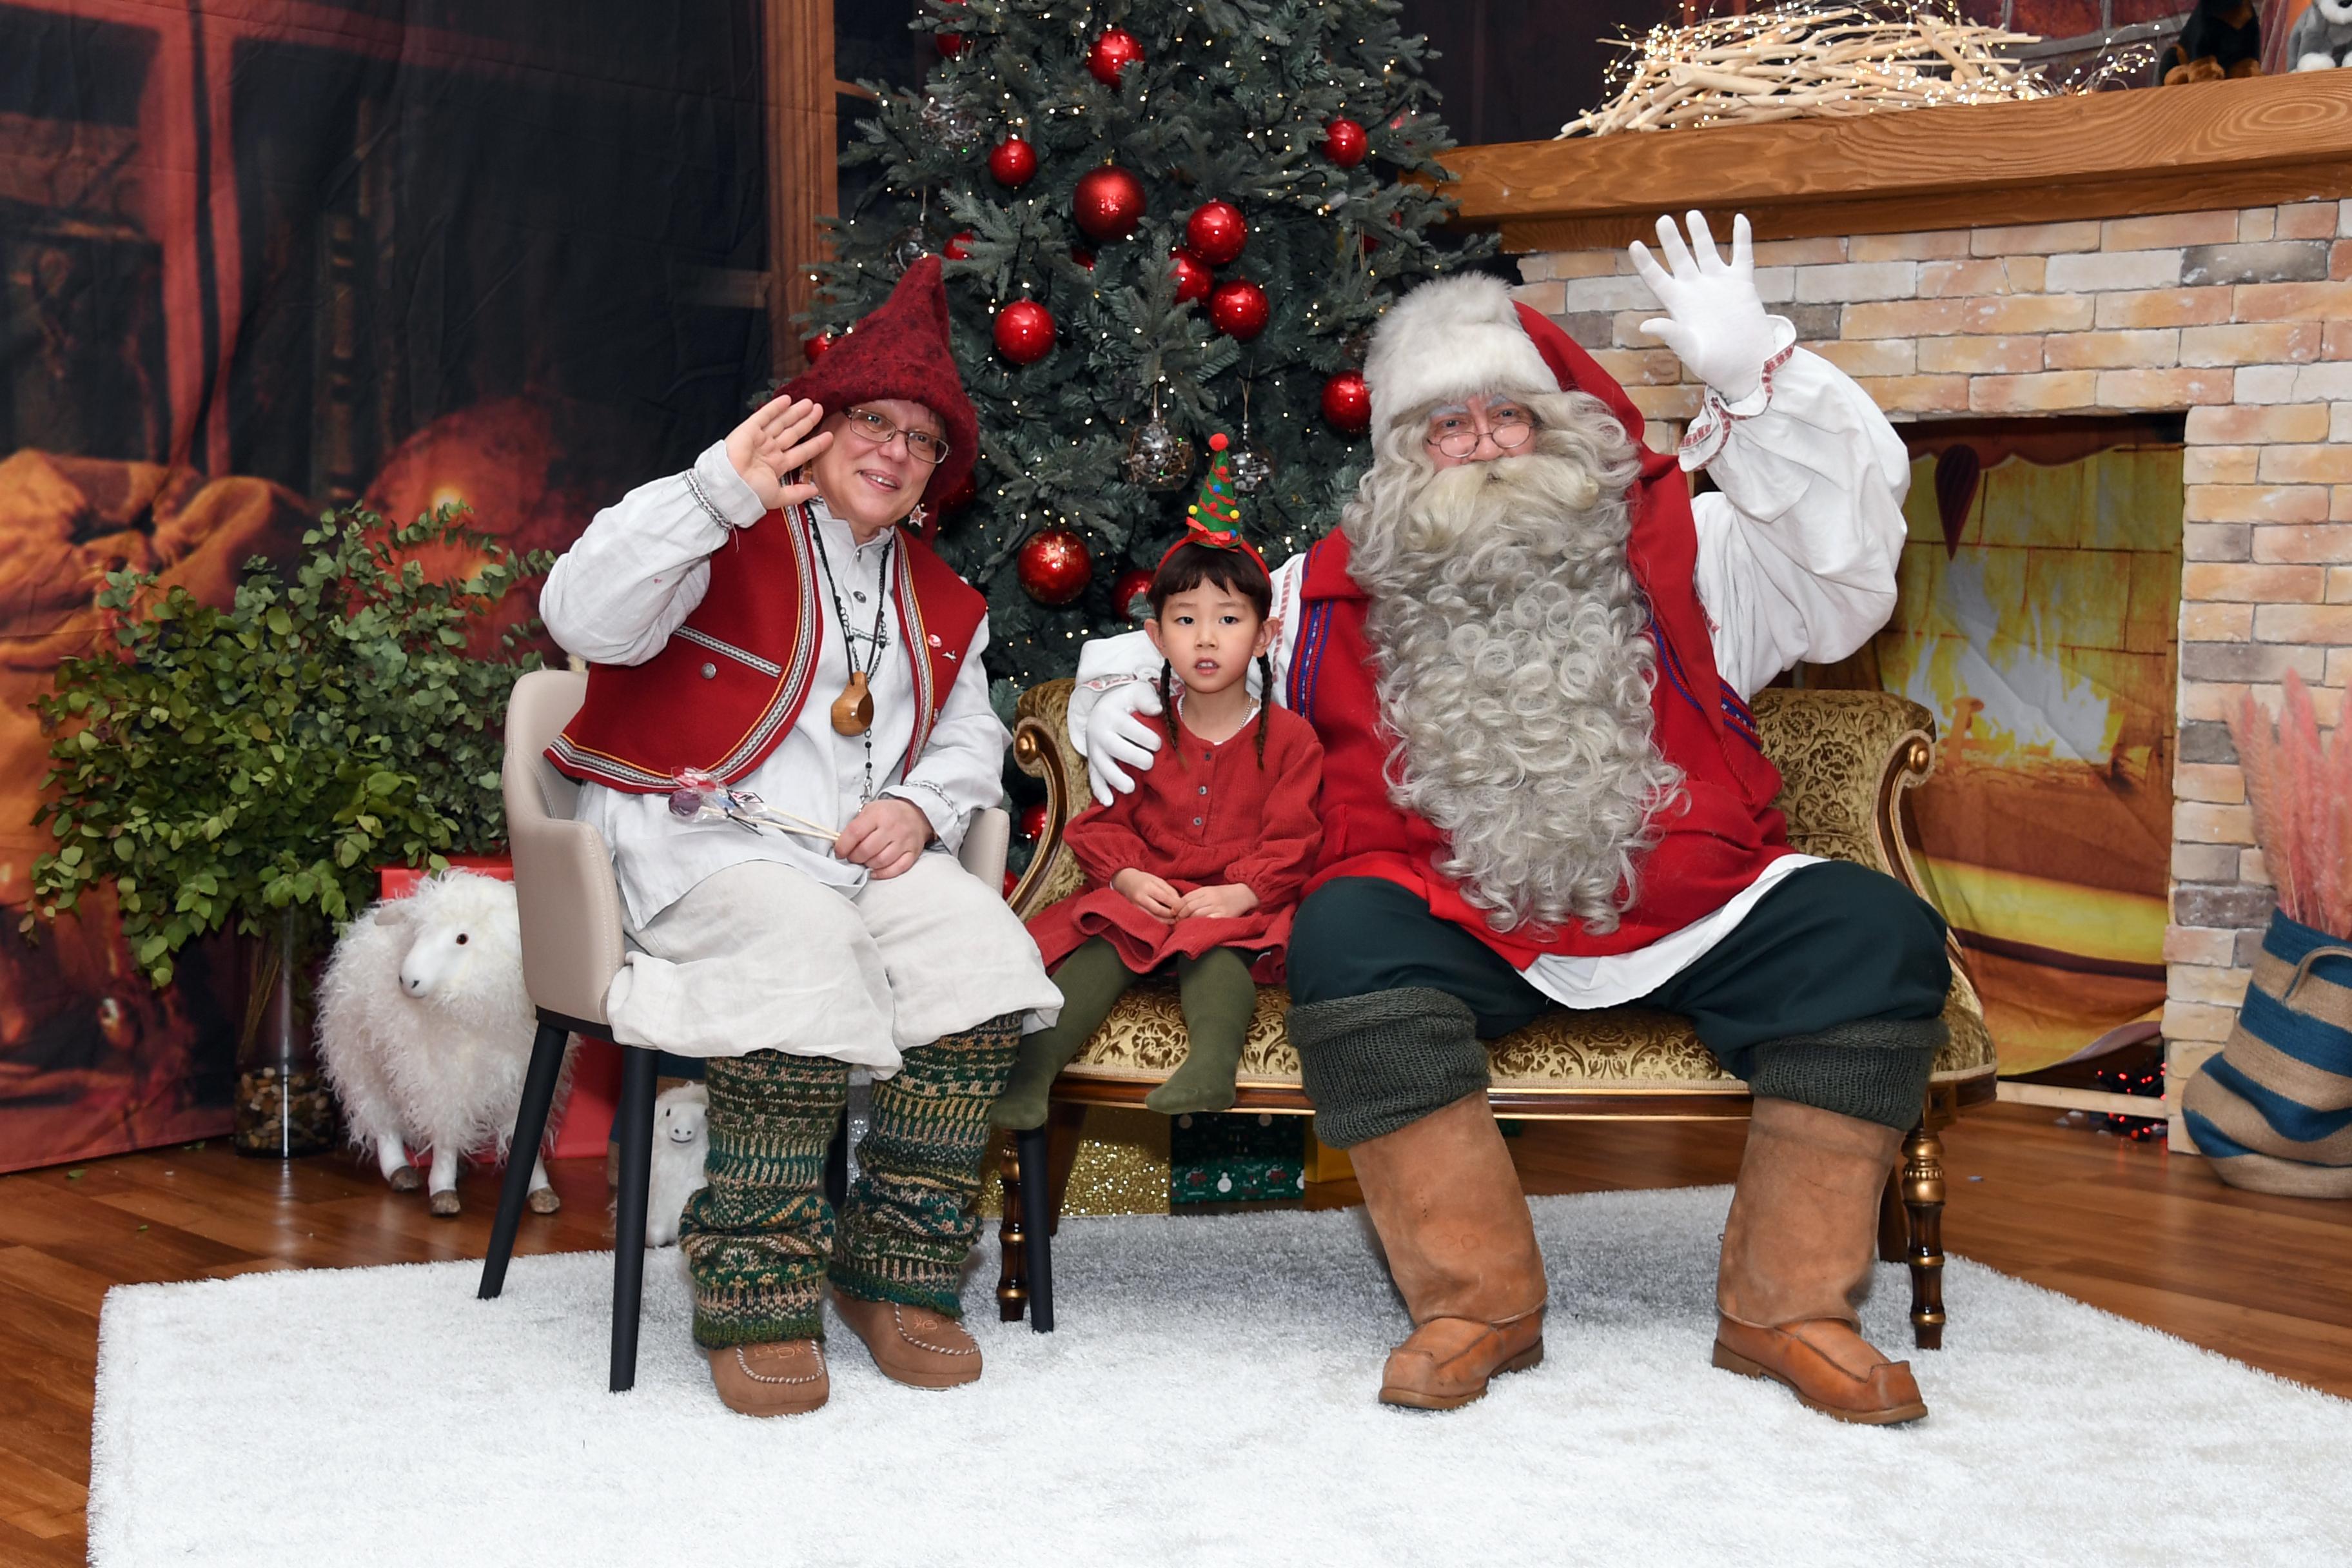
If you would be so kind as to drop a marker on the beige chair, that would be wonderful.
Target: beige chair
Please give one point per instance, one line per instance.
(571, 947)
(1845, 759)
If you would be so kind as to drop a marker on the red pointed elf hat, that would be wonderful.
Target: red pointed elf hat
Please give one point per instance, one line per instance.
(902, 349)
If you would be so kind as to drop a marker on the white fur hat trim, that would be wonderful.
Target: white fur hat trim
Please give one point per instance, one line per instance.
(1448, 338)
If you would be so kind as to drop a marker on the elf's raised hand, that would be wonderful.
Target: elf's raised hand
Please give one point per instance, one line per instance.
(1714, 321)
(774, 442)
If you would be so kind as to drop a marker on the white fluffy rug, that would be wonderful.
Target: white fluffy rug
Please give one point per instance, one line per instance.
(1208, 1399)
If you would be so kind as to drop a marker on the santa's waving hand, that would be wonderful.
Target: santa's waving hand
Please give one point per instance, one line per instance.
(1527, 650)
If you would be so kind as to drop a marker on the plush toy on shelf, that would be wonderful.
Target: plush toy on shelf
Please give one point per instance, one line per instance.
(2322, 40)
(2221, 39)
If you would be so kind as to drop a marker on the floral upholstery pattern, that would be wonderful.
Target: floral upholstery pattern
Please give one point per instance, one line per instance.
(1845, 759)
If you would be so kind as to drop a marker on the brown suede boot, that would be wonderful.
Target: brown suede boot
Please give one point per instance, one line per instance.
(1797, 1251)
(913, 1345)
(783, 1377)
(1446, 1202)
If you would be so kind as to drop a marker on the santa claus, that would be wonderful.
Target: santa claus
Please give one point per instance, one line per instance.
(1527, 650)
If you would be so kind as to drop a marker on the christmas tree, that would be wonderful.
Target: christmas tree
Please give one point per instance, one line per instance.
(1160, 221)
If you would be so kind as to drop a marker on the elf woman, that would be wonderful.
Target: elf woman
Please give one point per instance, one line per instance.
(766, 624)
(1199, 868)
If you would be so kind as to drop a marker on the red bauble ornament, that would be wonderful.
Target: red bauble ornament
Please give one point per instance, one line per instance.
(1128, 589)
(1107, 202)
(1032, 819)
(1055, 566)
(1348, 402)
(1012, 162)
(1238, 310)
(816, 348)
(1112, 54)
(1085, 258)
(949, 45)
(1024, 332)
(960, 247)
(1217, 232)
(1344, 142)
(1193, 280)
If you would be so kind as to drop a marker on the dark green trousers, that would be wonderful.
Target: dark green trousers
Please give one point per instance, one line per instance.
(1831, 992)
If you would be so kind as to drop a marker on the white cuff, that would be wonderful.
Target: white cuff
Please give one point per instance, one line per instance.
(946, 822)
(721, 492)
(1709, 432)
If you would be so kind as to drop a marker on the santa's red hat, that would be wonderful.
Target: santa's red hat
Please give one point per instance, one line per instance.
(902, 349)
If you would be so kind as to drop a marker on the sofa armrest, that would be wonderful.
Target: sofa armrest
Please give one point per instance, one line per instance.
(570, 910)
(1040, 751)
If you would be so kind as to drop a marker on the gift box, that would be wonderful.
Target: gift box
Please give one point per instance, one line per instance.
(1235, 1159)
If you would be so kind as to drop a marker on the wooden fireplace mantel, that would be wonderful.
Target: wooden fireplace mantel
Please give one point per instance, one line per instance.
(2114, 155)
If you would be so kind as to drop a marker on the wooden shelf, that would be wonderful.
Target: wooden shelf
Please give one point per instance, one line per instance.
(2174, 149)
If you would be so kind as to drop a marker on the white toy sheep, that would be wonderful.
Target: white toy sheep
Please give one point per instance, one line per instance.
(425, 1031)
(681, 1137)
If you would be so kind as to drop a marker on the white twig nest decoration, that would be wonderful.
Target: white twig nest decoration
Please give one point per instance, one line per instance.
(1799, 60)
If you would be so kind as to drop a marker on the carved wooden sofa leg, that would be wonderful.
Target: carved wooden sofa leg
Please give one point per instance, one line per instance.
(1012, 1261)
(1025, 1278)
(1921, 1177)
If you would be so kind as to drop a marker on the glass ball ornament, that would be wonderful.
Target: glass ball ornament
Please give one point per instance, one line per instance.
(958, 247)
(1024, 331)
(1013, 163)
(1215, 233)
(1129, 594)
(950, 124)
(1156, 457)
(1238, 309)
(1348, 402)
(1112, 53)
(1344, 142)
(1054, 566)
(905, 248)
(1107, 202)
(1251, 467)
(1193, 280)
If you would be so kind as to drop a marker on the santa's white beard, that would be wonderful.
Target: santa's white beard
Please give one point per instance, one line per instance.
(1513, 668)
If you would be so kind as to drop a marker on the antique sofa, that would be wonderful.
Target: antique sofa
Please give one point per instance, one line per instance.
(1845, 757)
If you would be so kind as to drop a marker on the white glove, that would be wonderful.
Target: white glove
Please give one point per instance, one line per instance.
(1114, 735)
(1714, 321)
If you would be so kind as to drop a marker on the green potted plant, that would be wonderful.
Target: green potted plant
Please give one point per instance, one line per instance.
(252, 767)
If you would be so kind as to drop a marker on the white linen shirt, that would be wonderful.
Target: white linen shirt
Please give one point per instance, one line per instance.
(1798, 547)
(633, 578)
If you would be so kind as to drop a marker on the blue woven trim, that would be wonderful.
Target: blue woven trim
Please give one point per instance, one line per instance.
(2298, 1034)
(1739, 715)
(2296, 1122)
(1671, 667)
(1307, 661)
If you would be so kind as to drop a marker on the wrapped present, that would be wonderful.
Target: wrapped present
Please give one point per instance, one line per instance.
(1235, 1159)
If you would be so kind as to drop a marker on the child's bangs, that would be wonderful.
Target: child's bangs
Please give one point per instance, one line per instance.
(1193, 565)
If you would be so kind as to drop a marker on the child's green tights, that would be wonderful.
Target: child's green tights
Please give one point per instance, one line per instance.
(1219, 999)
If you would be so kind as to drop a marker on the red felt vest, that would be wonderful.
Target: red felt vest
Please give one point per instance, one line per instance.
(730, 684)
(1715, 839)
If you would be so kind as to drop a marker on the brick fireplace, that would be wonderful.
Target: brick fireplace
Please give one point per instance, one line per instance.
(1924, 281)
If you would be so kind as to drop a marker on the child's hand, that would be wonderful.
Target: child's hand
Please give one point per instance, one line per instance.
(1147, 893)
(772, 444)
(1228, 902)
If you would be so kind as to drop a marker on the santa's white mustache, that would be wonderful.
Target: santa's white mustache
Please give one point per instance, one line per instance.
(1537, 492)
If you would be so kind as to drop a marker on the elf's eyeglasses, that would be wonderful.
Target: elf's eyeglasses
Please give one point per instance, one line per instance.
(877, 431)
(1458, 435)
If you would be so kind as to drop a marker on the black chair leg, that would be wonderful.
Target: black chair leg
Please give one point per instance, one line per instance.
(639, 1070)
(1037, 1223)
(836, 1164)
(530, 1126)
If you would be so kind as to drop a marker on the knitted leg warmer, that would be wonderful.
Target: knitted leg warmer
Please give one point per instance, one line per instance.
(755, 1239)
(914, 1208)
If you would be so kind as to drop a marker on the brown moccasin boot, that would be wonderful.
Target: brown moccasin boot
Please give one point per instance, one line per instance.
(913, 1345)
(1445, 1200)
(783, 1377)
(1797, 1251)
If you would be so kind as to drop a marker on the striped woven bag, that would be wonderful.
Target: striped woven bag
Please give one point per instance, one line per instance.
(2274, 1110)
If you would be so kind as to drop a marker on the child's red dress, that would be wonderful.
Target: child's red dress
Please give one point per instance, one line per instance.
(1208, 817)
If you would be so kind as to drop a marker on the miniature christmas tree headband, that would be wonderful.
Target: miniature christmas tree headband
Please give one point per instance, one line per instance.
(1213, 519)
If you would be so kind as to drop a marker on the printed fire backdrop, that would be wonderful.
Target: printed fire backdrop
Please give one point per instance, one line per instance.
(256, 259)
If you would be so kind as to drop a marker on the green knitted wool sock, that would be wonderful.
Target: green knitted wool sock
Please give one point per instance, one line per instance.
(1092, 980)
(1220, 998)
(756, 1236)
(914, 1208)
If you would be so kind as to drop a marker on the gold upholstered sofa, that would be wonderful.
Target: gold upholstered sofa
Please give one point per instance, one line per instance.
(1845, 758)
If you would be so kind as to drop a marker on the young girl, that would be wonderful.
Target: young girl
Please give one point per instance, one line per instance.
(1199, 868)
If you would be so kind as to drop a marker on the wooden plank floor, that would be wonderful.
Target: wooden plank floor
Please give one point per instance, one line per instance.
(2127, 1227)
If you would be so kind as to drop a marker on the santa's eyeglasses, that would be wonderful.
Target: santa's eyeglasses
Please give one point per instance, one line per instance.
(877, 431)
(1458, 435)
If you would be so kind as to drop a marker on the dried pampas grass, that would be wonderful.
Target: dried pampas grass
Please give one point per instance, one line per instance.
(1799, 60)
(2299, 788)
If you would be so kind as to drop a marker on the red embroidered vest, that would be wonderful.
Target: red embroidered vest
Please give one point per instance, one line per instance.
(730, 683)
(1714, 841)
